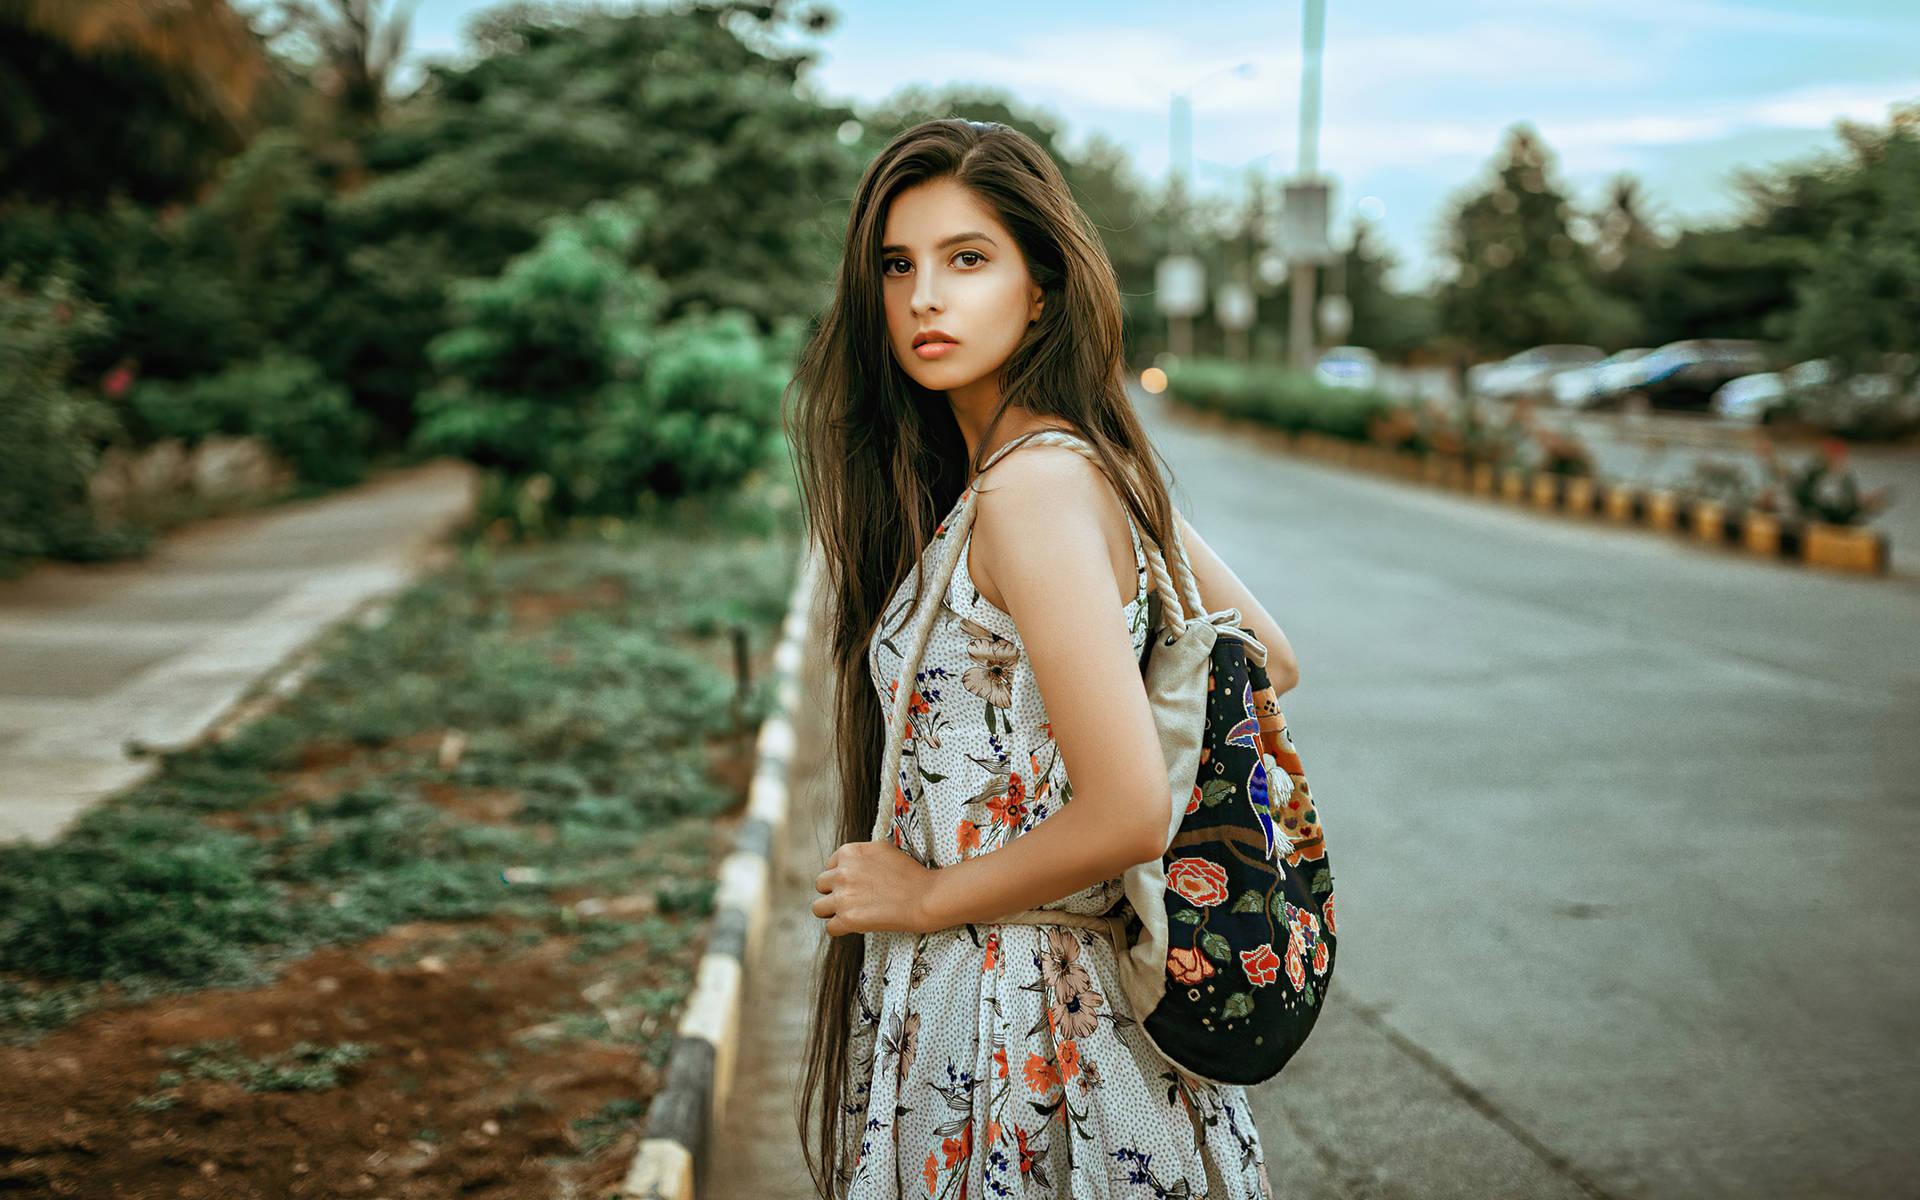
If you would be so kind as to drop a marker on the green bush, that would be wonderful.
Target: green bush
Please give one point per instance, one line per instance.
(169, 290)
(556, 377)
(698, 420)
(1291, 400)
(284, 400)
(51, 434)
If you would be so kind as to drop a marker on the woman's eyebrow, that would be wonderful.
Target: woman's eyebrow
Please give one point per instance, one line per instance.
(972, 236)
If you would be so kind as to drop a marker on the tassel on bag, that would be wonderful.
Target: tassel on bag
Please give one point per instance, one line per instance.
(1225, 942)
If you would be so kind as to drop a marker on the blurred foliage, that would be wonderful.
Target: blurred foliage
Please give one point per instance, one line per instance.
(556, 114)
(283, 399)
(1392, 324)
(252, 267)
(557, 376)
(142, 98)
(52, 432)
(287, 253)
(1858, 301)
(349, 50)
(1291, 400)
(1626, 250)
(1520, 278)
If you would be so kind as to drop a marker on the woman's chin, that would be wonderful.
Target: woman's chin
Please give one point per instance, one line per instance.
(936, 380)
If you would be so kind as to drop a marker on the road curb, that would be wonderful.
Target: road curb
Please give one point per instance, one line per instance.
(1738, 530)
(671, 1160)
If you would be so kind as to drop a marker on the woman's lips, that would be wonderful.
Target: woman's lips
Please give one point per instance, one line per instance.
(933, 349)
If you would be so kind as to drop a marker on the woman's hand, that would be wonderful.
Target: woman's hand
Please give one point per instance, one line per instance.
(870, 886)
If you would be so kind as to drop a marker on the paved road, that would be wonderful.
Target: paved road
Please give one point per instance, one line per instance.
(1624, 837)
(1624, 834)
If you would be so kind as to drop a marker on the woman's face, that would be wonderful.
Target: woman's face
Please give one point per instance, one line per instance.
(948, 265)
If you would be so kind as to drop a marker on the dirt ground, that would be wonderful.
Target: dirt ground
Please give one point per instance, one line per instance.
(473, 1088)
(490, 1058)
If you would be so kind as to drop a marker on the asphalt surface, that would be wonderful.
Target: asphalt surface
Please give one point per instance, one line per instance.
(1624, 834)
(1623, 831)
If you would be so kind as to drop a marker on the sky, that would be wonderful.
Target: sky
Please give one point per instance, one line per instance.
(1416, 97)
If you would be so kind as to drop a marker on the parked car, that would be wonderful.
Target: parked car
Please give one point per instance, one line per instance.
(1750, 398)
(1348, 366)
(1528, 374)
(1684, 375)
(1873, 403)
(1583, 387)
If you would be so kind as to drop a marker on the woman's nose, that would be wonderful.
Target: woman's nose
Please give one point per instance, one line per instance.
(924, 299)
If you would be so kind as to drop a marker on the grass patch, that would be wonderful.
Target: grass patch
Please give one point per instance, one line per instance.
(303, 1067)
(595, 1133)
(585, 683)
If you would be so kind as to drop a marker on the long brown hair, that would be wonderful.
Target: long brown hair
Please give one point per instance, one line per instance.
(880, 459)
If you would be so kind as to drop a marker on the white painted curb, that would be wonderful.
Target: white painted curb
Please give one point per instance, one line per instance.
(681, 1120)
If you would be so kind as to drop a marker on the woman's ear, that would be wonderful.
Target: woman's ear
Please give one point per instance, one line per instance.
(1033, 310)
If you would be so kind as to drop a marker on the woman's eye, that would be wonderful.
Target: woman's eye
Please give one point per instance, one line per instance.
(886, 266)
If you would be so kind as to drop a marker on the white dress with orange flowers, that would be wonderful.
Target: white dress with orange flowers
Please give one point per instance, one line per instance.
(1003, 1060)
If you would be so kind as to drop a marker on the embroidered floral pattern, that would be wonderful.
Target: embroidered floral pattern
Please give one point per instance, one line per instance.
(1261, 965)
(1198, 881)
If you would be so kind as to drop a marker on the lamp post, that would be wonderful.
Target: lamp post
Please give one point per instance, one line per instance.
(1306, 211)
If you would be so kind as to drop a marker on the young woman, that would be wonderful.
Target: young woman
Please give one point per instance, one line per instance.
(949, 1055)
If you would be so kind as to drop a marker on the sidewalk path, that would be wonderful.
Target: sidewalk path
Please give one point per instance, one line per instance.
(153, 650)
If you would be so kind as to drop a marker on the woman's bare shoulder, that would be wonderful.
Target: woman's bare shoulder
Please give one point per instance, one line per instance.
(1038, 471)
(1032, 500)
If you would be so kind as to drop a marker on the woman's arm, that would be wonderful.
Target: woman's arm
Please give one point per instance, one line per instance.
(1220, 588)
(1037, 536)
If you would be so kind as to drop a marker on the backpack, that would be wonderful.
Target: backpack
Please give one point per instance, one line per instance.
(1226, 941)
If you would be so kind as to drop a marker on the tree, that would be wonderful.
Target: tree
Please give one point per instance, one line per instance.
(142, 98)
(351, 47)
(1389, 322)
(1626, 248)
(1859, 300)
(557, 378)
(553, 115)
(1520, 278)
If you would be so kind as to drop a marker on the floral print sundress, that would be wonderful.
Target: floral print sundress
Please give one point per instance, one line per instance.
(1004, 1060)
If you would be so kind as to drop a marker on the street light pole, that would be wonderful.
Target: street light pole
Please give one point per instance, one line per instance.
(1300, 289)
(1180, 152)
